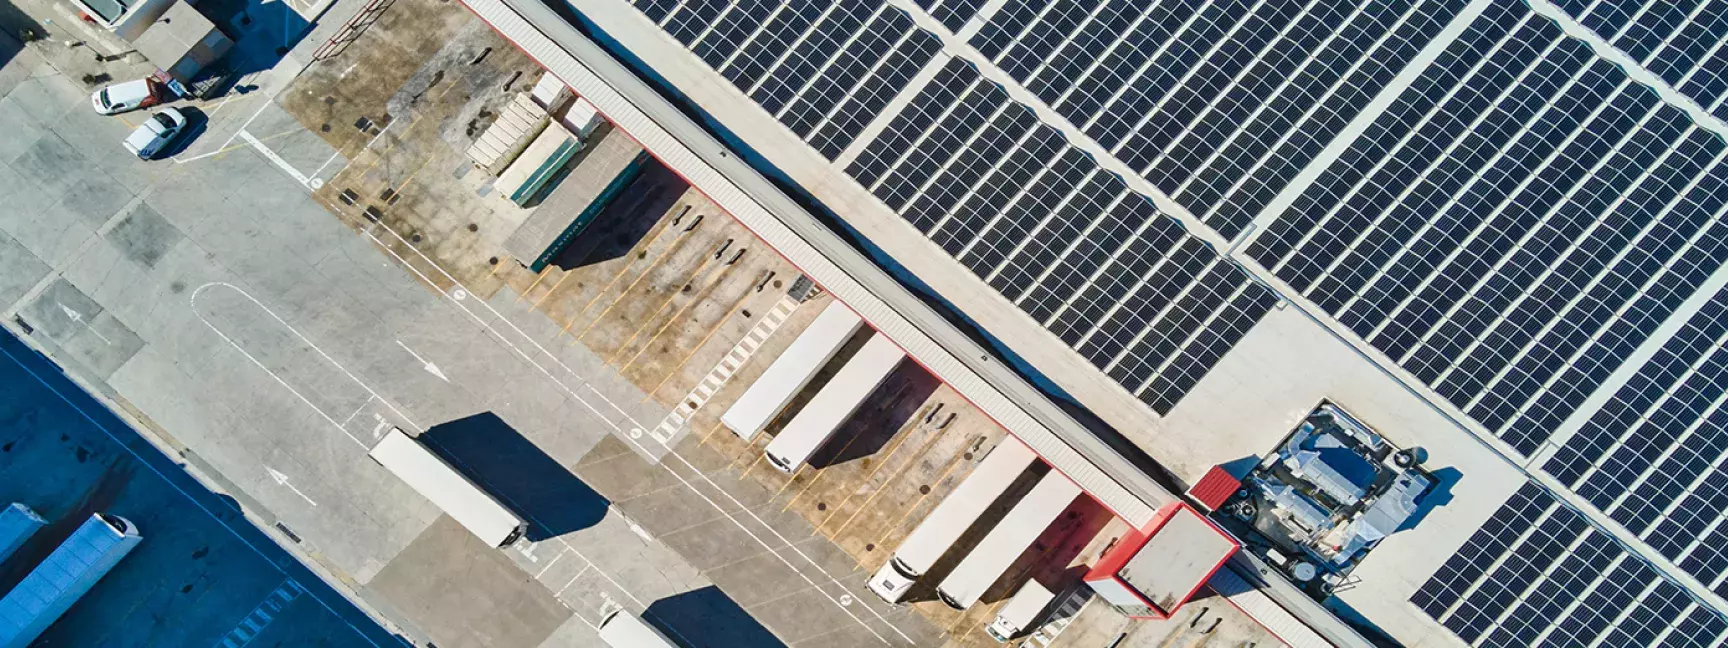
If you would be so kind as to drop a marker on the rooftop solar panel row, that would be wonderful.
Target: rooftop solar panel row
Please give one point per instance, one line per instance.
(1044, 225)
(1652, 457)
(1219, 104)
(1514, 226)
(1685, 42)
(824, 70)
(1537, 573)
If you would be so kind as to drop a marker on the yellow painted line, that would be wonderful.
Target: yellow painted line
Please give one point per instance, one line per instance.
(699, 297)
(926, 446)
(953, 462)
(645, 272)
(537, 279)
(551, 290)
(789, 481)
(710, 434)
(879, 466)
(753, 464)
(706, 258)
(686, 359)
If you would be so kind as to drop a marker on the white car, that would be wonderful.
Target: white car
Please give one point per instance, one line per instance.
(156, 133)
(123, 97)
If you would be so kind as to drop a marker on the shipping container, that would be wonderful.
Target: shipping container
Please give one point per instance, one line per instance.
(791, 371)
(834, 403)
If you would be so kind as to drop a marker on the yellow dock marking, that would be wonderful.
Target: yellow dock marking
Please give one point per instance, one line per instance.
(686, 359)
(537, 279)
(706, 258)
(645, 272)
(879, 466)
(878, 493)
(953, 462)
(700, 296)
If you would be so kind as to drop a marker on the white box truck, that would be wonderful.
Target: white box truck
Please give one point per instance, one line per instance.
(461, 498)
(835, 403)
(622, 629)
(1017, 617)
(792, 371)
(62, 578)
(951, 518)
(980, 569)
(17, 524)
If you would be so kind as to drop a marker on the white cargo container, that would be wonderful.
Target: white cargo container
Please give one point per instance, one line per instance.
(792, 371)
(50, 589)
(17, 524)
(453, 492)
(1021, 612)
(980, 569)
(835, 403)
(622, 629)
(951, 518)
(517, 124)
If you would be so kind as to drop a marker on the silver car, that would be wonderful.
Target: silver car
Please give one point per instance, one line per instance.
(156, 133)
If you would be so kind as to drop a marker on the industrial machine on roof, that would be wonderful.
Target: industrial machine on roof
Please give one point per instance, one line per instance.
(1331, 491)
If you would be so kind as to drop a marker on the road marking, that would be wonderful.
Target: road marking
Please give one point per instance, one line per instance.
(276, 159)
(78, 318)
(193, 303)
(549, 565)
(670, 451)
(424, 364)
(283, 480)
(722, 371)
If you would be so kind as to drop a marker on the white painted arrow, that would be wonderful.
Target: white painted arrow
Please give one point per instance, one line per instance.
(429, 367)
(79, 318)
(283, 480)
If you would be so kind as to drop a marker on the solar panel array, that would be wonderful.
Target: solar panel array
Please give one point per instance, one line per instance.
(1685, 42)
(1652, 458)
(953, 14)
(1537, 573)
(1065, 240)
(824, 70)
(1220, 104)
(1513, 226)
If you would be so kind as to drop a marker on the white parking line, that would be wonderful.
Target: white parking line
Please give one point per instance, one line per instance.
(374, 394)
(309, 183)
(459, 297)
(193, 304)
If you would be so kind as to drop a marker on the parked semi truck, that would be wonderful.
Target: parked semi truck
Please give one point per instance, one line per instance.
(835, 403)
(951, 518)
(17, 524)
(622, 629)
(62, 578)
(428, 474)
(792, 371)
(980, 569)
(1021, 612)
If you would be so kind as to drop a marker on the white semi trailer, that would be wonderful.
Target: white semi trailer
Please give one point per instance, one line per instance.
(835, 403)
(980, 569)
(621, 629)
(467, 503)
(951, 518)
(62, 578)
(792, 371)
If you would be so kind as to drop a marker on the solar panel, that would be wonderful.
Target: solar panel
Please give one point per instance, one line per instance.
(824, 70)
(1043, 224)
(1684, 42)
(1220, 103)
(1538, 573)
(1510, 230)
